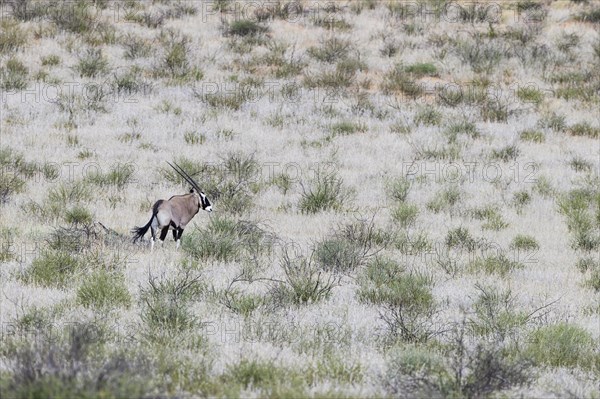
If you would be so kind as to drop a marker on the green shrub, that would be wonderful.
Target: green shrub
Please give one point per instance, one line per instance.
(494, 109)
(53, 269)
(226, 239)
(303, 283)
(64, 362)
(173, 60)
(407, 300)
(397, 80)
(483, 56)
(166, 302)
(580, 164)
(577, 205)
(586, 264)
(135, 47)
(241, 304)
(219, 241)
(445, 200)
(562, 345)
(104, 289)
(70, 193)
(251, 373)
(543, 187)
(326, 192)
(553, 121)
(335, 79)
(10, 184)
(405, 214)
(463, 369)
(244, 27)
(428, 116)
(496, 316)
(524, 243)
(193, 138)
(6, 245)
(264, 376)
(78, 215)
(521, 199)
(338, 255)
(460, 238)
(505, 154)
(345, 128)
(398, 188)
(12, 37)
(530, 95)
(492, 217)
(233, 101)
(593, 280)
(495, 264)
(331, 23)
(351, 66)
(410, 362)
(51, 60)
(14, 75)
(283, 182)
(462, 127)
(119, 176)
(534, 136)
(92, 63)
(585, 129)
(450, 152)
(422, 69)
(331, 50)
(74, 17)
(131, 82)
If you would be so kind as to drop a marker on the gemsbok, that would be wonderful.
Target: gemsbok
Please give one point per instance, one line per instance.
(174, 213)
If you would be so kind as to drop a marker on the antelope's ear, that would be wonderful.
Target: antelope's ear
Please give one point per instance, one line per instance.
(192, 190)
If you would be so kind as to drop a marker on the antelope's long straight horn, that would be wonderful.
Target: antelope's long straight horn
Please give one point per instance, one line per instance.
(185, 176)
(191, 180)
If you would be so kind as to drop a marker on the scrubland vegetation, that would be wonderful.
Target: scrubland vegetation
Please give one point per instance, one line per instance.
(406, 198)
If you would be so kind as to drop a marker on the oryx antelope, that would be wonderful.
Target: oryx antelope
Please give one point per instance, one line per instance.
(174, 213)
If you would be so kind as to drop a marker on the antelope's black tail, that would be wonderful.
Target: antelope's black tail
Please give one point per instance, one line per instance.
(139, 232)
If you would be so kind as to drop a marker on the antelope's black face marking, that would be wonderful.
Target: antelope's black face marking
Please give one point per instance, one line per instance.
(205, 203)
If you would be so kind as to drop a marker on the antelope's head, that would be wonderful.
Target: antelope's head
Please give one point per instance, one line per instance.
(203, 201)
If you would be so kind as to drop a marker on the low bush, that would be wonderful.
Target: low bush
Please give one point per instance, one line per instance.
(104, 289)
(53, 269)
(326, 192)
(562, 345)
(304, 283)
(406, 299)
(92, 63)
(495, 264)
(225, 239)
(14, 75)
(165, 304)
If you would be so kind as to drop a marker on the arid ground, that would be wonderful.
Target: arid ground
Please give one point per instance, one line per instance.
(406, 198)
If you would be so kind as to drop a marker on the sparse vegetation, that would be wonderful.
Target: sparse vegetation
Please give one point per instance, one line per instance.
(92, 63)
(562, 345)
(103, 289)
(405, 199)
(326, 192)
(14, 75)
(535, 136)
(405, 297)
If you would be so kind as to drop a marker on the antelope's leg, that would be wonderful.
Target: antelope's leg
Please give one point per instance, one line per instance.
(179, 233)
(163, 233)
(152, 238)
